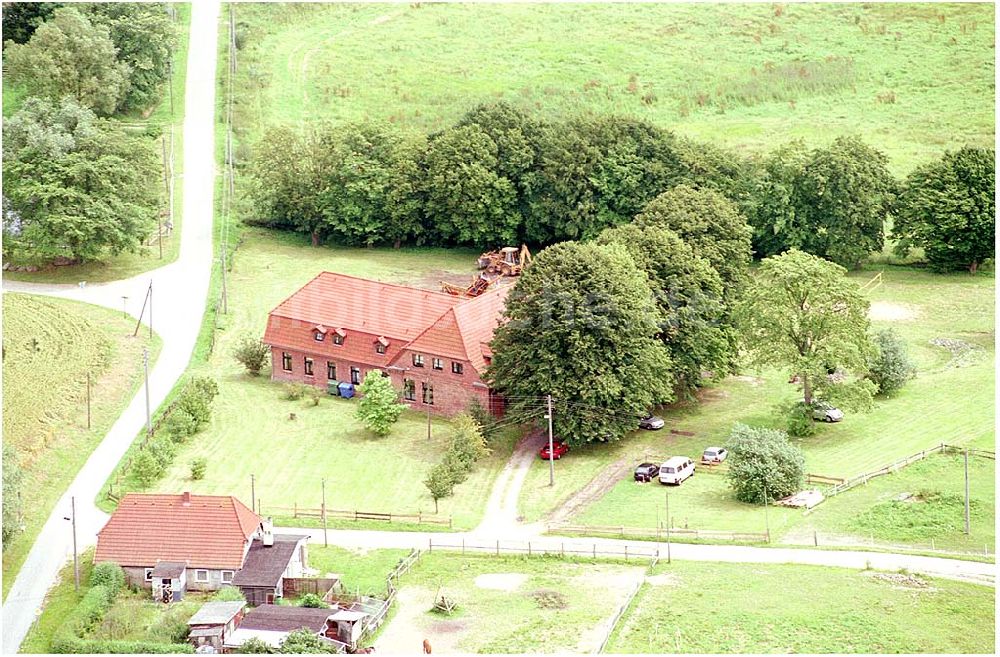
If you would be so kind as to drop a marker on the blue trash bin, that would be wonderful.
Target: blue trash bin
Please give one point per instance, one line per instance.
(346, 390)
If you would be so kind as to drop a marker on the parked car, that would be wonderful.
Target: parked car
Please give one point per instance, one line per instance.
(714, 455)
(826, 412)
(646, 472)
(558, 449)
(676, 469)
(651, 422)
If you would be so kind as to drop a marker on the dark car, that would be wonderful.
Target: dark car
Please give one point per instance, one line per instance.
(647, 472)
(558, 449)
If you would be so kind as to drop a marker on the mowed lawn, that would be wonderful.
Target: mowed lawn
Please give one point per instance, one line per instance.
(49, 347)
(507, 604)
(946, 403)
(695, 607)
(251, 433)
(910, 79)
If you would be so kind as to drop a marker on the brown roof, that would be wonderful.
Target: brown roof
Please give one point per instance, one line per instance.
(367, 312)
(279, 618)
(265, 563)
(206, 531)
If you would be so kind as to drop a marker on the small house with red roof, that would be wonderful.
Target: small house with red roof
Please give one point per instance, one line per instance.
(181, 542)
(434, 346)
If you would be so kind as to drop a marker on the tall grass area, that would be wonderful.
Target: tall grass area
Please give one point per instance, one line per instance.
(50, 345)
(694, 607)
(911, 79)
(59, 602)
(951, 401)
(157, 118)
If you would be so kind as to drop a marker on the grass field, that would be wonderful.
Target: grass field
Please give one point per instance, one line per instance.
(291, 457)
(910, 79)
(945, 403)
(745, 608)
(49, 346)
(361, 572)
(148, 257)
(507, 604)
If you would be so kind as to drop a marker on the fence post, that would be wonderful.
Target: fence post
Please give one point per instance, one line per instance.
(449, 522)
(562, 550)
(626, 553)
(295, 512)
(595, 550)
(815, 539)
(420, 517)
(529, 548)
(498, 547)
(430, 544)
(463, 546)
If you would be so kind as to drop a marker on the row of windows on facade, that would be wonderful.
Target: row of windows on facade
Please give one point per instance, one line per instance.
(409, 385)
(331, 369)
(199, 576)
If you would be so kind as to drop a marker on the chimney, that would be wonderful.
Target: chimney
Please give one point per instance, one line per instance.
(267, 537)
(186, 498)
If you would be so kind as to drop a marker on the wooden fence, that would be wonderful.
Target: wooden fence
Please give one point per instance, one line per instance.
(545, 548)
(823, 480)
(317, 513)
(294, 587)
(902, 463)
(404, 565)
(659, 532)
(621, 612)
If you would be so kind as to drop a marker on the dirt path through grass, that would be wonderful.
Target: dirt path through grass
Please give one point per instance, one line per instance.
(501, 510)
(595, 489)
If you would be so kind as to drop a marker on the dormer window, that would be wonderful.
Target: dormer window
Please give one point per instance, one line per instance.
(381, 344)
(318, 336)
(319, 332)
(338, 336)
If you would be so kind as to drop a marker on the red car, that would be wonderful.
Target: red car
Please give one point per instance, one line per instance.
(558, 449)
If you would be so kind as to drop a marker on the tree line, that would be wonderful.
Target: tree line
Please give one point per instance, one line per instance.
(501, 175)
(76, 184)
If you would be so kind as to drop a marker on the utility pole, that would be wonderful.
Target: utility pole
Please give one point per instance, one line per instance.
(552, 467)
(145, 368)
(666, 500)
(767, 525)
(170, 78)
(253, 491)
(150, 309)
(166, 195)
(326, 542)
(967, 529)
(76, 562)
(88, 400)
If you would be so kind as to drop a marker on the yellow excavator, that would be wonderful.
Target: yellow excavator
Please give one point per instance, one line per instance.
(508, 261)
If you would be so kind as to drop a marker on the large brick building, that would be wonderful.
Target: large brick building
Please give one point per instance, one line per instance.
(433, 346)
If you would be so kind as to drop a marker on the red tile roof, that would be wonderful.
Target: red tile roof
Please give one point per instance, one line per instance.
(433, 323)
(209, 531)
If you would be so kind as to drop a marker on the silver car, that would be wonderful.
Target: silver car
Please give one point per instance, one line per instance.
(652, 422)
(827, 413)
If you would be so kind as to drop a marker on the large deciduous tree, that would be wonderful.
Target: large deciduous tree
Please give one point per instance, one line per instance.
(378, 409)
(776, 225)
(581, 327)
(710, 224)
(948, 208)
(21, 19)
(844, 195)
(145, 38)
(70, 55)
(74, 185)
(688, 294)
(800, 311)
(763, 465)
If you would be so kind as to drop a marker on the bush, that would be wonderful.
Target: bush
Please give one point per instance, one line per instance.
(180, 424)
(228, 594)
(467, 443)
(800, 419)
(163, 450)
(146, 468)
(295, 391)
(487, 423)
(198, 467)
(379, 407)
(312, 600)
(313, 395)
(762, 463)
(197, 397)
(109, 575)
(255, 646)
(891, 367)
(252, 354)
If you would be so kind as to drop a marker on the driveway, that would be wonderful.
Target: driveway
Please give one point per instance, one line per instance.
(179, 295)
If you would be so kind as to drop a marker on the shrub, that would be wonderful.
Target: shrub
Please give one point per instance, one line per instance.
(313, 395)
(891, 367)
(487, 423)
(197, 398)
(109, 575)
(229, 594)
(146, 468)
(440, 481)
(378, 409)
(198, 467)
(295, 391)
(180, 424)
(255, 646)
(251, 353)
(163, 450)
(12, 476)
(763, 463)
(800, 419)
(467, 443)
(312, 600)
(303, 641)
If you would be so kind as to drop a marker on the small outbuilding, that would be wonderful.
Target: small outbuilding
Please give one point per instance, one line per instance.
(213, 623)
(270, 559)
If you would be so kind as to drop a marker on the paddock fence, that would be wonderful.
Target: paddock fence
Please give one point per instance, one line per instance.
(660, 532)
(316, 513)
(543, 548)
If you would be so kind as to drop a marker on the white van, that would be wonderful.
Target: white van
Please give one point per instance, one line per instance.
(676, 469)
